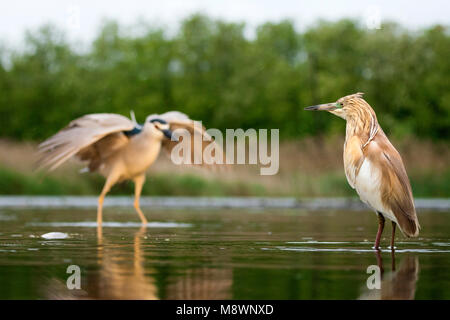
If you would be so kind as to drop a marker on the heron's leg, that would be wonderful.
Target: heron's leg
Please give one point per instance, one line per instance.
(379, 261)
(138, 183)
(393, 235)
(110, 181)
(380, 230)
(393, 259)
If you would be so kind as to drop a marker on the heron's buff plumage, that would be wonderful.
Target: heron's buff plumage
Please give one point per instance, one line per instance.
(80, 134)
(105, 142)
(95, 138)
(366, 141)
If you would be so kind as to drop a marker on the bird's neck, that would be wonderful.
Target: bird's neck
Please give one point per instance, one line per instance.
(148, 138)
(363, 125)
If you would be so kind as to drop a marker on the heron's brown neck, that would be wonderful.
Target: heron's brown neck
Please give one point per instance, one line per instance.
(362, 122)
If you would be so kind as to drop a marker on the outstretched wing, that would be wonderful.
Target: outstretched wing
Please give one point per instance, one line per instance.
(82, 133)
(180, 121)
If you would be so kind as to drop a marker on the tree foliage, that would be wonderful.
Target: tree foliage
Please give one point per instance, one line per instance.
(213, 72)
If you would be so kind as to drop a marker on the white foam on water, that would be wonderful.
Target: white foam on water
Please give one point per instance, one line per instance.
(89, 224)
(55, 235)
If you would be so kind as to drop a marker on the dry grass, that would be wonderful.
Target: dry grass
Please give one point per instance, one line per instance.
(311, 166)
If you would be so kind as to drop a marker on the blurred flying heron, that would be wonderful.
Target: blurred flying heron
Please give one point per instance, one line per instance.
(374, 167)
(119, 148)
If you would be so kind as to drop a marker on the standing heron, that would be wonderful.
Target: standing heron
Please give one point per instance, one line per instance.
(374, 167)
(118, 148)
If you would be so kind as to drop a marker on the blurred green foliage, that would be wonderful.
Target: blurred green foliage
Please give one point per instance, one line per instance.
(213, 72)
(159, 184)
(328, 184)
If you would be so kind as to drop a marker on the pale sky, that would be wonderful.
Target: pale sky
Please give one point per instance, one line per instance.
(81, 18)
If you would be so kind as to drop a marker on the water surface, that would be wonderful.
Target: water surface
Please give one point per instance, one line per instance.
(219, 254)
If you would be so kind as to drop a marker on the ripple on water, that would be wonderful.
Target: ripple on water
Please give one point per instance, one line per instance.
(89, 224)
(312, 249)
(317, 246)
(320, 242)
(441, 244)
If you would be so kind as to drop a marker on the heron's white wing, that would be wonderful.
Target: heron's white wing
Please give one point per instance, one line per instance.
(169, 116)
(79, 134)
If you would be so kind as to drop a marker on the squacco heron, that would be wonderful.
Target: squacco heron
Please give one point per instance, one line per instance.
(374, 167)
(118, 148)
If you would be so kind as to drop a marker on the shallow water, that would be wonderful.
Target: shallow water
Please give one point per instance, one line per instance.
(219, 254)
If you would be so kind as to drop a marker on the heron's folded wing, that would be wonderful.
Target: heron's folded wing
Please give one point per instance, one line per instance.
(80, 134)
(397, 194)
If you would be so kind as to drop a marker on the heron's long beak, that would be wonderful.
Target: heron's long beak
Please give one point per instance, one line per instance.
(323, 107)
(167, 133)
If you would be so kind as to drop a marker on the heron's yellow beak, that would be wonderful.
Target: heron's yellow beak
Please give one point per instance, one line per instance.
(323, 107)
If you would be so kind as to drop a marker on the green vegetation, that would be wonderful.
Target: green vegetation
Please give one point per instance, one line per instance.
(160, 184)
(329, 184)
(211, 71)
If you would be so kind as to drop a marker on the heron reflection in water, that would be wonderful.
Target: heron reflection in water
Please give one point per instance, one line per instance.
(399, 283)
(124, 271)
